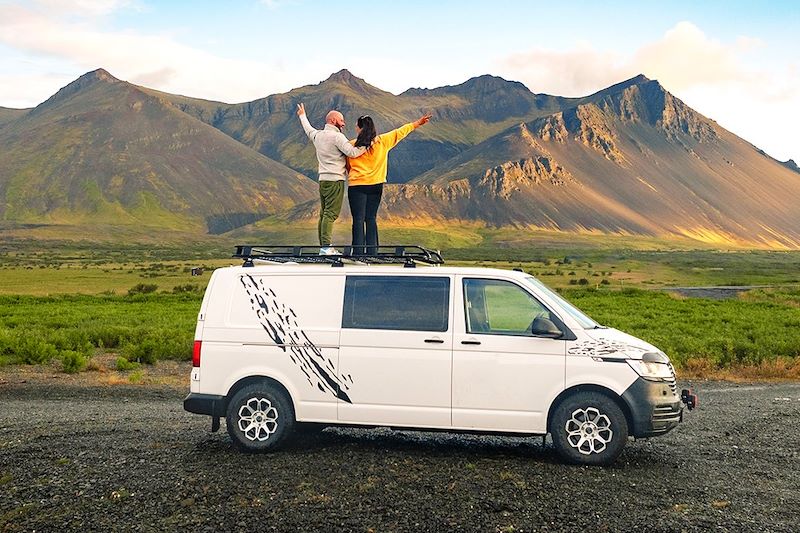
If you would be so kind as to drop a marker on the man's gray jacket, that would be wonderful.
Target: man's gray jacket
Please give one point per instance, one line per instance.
(332, 147)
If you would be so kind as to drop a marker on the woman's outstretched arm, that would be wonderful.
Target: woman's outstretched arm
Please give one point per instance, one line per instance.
(391, 138)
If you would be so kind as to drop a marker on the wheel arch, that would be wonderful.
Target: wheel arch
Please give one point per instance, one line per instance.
(590, 387)
(255, 380)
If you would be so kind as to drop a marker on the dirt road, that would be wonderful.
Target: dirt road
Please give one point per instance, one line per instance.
(77, 457)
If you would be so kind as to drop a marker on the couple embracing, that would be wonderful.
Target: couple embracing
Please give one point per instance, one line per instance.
(366, 157)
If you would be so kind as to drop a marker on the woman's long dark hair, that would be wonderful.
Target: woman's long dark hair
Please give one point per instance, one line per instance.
(368, 132)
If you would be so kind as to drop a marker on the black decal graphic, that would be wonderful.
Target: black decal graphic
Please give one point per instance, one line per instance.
(597, 348)
(281, 326)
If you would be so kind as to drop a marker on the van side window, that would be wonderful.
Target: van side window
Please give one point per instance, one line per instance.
(500, 307)
(412, 303)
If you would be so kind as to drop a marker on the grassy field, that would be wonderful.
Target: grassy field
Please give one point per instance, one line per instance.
(71, 301)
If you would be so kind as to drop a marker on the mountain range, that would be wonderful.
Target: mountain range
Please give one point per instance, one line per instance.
(631, 159)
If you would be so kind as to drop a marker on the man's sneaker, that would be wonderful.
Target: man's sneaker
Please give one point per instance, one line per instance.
(328, 250)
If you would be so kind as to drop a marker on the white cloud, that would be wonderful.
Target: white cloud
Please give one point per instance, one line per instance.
(758, 103)
(156, 60)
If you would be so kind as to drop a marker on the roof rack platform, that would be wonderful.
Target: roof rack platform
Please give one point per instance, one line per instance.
(407, 255)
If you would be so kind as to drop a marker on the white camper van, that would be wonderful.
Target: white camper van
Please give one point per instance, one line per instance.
(396, 339)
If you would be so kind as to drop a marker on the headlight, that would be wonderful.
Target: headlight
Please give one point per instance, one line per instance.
(652, 366)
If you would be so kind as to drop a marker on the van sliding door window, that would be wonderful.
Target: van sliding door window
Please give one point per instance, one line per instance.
(500, 307)
(412, 303)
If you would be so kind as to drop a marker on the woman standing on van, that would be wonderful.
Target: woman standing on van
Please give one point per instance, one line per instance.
(367, 176)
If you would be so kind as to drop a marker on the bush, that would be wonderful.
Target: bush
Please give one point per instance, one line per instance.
(123, 364)
(583, 281)
(34, 351)
(159, 345)
(188, 287)
(72, 362)
(142, 288)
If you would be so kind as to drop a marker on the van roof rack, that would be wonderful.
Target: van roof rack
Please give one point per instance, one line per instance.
(407, 255)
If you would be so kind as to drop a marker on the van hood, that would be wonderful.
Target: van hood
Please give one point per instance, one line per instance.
(611, 343)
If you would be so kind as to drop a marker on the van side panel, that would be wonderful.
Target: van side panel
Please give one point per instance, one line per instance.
(280, 325)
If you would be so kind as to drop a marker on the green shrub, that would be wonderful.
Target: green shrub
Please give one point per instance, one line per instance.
(123, 364)
(142, 288)
(73, 362)
(188, 287)
(34, 351)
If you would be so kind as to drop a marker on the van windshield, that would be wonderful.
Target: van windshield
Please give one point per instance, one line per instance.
(574, 312)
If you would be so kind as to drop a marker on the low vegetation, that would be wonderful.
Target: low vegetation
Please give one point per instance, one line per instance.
(142, 328)
(140, 303)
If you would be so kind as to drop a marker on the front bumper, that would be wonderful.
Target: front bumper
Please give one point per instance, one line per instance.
(205, 404)
(655, 407)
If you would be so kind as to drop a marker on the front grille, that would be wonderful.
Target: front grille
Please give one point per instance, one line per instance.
(665, 417)
(672, 381)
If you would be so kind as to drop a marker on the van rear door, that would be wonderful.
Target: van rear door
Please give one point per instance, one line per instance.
(396, 346)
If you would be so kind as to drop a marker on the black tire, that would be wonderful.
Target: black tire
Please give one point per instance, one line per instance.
(597, 431)
(260, 418)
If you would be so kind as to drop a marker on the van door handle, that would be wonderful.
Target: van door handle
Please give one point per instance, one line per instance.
(435, 341)
(471, 342)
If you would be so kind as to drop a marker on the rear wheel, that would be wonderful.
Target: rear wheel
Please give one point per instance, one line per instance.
(589, 428)
(260, 418)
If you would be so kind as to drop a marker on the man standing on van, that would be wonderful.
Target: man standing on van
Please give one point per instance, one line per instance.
(333, 149)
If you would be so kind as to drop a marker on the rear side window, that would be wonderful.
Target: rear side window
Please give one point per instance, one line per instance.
(412, 303)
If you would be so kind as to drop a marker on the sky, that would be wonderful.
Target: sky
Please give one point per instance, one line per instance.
(735, 62)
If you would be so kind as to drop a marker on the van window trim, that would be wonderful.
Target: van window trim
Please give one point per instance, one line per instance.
(568, 334)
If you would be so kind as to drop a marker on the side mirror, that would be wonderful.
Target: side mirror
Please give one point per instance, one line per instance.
(544, 327)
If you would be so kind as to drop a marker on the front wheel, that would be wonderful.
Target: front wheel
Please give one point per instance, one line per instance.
(260, 418)
(589, 428)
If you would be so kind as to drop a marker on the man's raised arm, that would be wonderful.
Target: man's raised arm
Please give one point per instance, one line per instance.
(310, 131)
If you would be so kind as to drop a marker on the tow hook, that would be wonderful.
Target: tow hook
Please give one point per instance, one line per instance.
(689, 398)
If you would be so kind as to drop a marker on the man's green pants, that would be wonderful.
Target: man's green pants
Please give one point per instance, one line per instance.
(331, 194)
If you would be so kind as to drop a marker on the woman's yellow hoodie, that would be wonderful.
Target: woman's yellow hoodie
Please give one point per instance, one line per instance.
(370, 168)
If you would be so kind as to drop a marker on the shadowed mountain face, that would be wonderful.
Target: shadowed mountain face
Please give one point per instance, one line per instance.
(463, 116)
(630, 159)
(101, 151)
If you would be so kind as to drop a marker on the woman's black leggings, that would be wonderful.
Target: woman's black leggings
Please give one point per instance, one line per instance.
(364, 202)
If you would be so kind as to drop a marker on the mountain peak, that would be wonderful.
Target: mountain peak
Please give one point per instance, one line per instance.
(636, 80)
(346, 78)
(99, 74)
(343, 76)
(84, 82)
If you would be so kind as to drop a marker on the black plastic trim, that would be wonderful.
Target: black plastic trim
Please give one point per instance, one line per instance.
(205, 404)
(654, 406)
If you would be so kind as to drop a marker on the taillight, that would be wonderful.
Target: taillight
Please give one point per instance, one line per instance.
(196, 353)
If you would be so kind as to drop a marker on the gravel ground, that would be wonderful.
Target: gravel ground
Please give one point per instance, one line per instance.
(79, 456)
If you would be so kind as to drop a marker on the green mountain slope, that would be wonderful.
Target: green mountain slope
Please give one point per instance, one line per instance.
(8, 114)
(101, 151)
